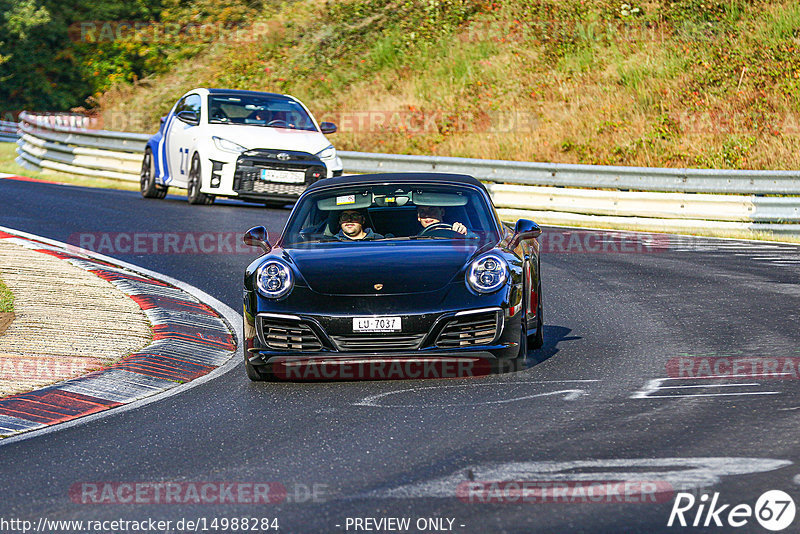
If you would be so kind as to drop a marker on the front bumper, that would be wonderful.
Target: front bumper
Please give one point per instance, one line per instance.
(477, 334)
(297, 171)
(241, 176)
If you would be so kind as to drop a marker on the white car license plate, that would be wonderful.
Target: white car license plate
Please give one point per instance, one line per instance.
(376, 324)
(286, 177)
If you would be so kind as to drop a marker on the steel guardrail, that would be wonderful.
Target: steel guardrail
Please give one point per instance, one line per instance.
(653, 198)
(587, 176)
(8, 132)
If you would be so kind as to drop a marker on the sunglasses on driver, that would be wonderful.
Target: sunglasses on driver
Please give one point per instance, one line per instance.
(351, 216)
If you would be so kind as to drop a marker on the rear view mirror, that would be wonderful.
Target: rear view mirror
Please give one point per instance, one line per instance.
(524, 230)
(257, 237)
(190, 117)
(327, 127)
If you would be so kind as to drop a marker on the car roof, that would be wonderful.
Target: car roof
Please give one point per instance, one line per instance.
(397, 178)
(242, 92)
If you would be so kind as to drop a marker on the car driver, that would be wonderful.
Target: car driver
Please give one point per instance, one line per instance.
(428, 215)
(352, 227)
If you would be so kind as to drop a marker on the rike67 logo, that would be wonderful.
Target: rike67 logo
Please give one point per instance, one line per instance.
(774, 510)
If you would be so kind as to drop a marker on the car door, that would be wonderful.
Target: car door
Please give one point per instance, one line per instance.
(181, 139)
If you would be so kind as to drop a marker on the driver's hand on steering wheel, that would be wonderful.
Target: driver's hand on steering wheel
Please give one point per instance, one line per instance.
(460, 228)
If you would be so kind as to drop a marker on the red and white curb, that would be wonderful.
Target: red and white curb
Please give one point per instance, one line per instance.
(6, 176)
(193, 338)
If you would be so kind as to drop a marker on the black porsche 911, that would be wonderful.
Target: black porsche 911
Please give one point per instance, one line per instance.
(388, 268)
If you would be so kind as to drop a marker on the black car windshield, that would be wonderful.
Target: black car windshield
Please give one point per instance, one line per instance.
(265, 111)
(391, 212)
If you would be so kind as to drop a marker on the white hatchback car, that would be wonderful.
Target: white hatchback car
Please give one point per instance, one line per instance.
(259, 147)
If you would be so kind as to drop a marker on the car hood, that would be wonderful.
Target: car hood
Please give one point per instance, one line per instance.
(252, 137)
(400, 267)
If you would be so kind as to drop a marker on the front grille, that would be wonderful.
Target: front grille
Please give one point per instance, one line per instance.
(264, 155)
(247, 176)
(288, 335)
(258, 186)
(466, 330)
(378, 342)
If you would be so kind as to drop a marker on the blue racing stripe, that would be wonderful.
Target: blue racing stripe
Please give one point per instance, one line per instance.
(164, 163)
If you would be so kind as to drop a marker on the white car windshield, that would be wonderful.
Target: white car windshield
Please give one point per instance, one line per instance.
(270, 112)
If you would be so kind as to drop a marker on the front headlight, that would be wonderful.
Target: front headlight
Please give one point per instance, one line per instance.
(328, 153)
(488, 273)
(227, 146)
(274, 279)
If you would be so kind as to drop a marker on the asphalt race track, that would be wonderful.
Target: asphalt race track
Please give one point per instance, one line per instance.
(603, 400)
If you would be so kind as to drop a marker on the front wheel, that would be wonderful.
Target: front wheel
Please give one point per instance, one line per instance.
(193, 193)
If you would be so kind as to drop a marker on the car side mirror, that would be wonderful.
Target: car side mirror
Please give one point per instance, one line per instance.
(257, 237)
(189, 117)
(327, 127)
(523, 230)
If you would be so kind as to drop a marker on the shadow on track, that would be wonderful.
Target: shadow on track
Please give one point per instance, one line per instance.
(553, 335)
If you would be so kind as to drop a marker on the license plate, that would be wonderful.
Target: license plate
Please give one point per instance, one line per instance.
(286, 177)
(376, 324)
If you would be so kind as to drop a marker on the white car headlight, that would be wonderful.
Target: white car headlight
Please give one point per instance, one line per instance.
(328, 153)
(227, 146)
(274, 279)
(488, 273)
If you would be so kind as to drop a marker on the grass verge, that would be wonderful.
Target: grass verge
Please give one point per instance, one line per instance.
(710, 84)
(6, 299)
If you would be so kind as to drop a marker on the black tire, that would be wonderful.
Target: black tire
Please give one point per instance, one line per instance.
(523, 341)
(253, 373)
(536, 341)
(193, 193)
(147, 178)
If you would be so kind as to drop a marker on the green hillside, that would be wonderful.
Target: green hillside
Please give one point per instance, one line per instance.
(688, 83)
